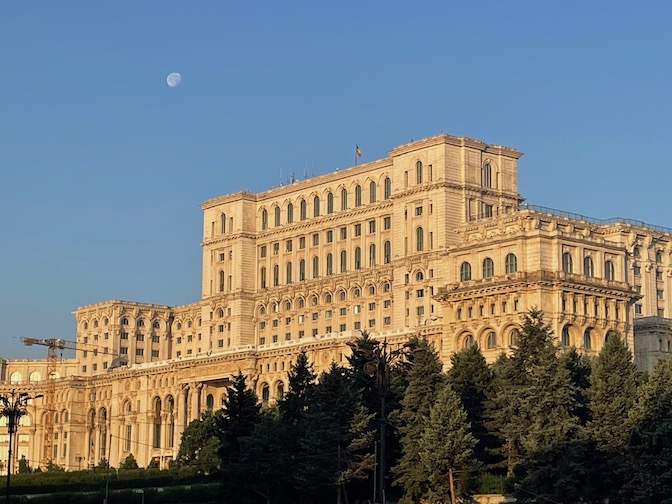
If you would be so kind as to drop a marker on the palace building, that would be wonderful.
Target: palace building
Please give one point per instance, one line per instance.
(433, 240)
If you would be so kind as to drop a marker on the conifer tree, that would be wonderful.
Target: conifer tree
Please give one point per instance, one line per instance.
(648, 469)
(301, 386)
(580, 369)
(240, 414)
(425, 379)
(447, 448)
(613, 393)
(471, 377)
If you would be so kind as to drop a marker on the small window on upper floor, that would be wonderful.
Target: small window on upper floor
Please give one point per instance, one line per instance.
(588, 269)
(358, 195)
(486, 175)
(264, 219)
(372, 192)
(277, 216)
(316, 206)
(387, 188)
(608, 270)
(567, 266)
(511, 263)
(290, 213)
(659, 256)
(418, 172)
(488, 268)
(465, 272)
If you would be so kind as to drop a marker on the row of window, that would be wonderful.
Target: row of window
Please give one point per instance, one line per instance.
(124, 321)
(488, 267)
(588, 266)
(357, 264)
(317, 204)
(314, 300)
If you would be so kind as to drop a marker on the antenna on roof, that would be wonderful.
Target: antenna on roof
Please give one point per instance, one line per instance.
(280, 177)
(305, 171)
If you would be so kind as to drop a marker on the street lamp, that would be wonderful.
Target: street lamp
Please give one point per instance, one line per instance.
(13, 406)
(379, 359)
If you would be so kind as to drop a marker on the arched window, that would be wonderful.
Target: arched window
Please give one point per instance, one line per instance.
(302, 303)
(328, 298)
(265, 395)
(344, 199)
(344, 263)
(277, 216)
(264, 219)
(15, 377)
(330, 203)
(303, 210)
(372, 256)
(488, 268)
(419, 239)
(288, 305)
(372, 192)
(358, 258)
(290, 213)
(515, 337)
(491, 340)
(288, 274)
(302, 270)
(34, 377)
(387, 252)
(419, 276)
(486, 175)
(358, 195)
(659, 256)
(330, 264)
(222, 276)
(511, 263)
(316, 206)
(387, 188)
(567, 266)
(262, 277)
(468, 341)
(220, 313)
(276, 275)
(316, 267)
(609, 270)
(280, 391)
(465, 272)
(418, 172)
(587, 339)
(588, 267)
(564, 338)
(222, 223)
(341, 296)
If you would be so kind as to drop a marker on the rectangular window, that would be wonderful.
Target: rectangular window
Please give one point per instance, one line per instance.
(387, 320)
(275, 338)
(387, 303)
(262, 251)
(358, 326)
(275, 323)
(315, 332)
(372, 322)
(358, 229)
(357, 308)
(387, 222)
(418, 211)
(288, 336)
(262, 325)
(302, 333)
(139, 352)
(420, 310)
(288, 320)
(288, 245)
(155, 354)
(155, 339)
(420, 293)
(372, 226)
(344, 233)
(343, 311)
(372, 306)
(342, 327)
(220, 328)
(124, 335)
(316, 239)
(301, 319)
(302, 242)
(83, 369)
(659, 293)
(262, 341)
(328, 329)
(330, 236)
(276, 248)
(636, 269)
(140, 337)
(315, 315)
(222, 256)
(328, 313)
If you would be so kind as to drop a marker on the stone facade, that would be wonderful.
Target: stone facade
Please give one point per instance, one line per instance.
(431, 240)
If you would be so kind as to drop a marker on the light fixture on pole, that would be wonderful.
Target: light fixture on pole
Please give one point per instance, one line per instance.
(13, 406)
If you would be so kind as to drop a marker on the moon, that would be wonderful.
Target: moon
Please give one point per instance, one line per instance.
(174, 79)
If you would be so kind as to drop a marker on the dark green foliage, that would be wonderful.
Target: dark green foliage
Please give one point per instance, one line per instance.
(447, 445)
(579, 367)
(425, 379)
(471, 377)
(613, 393)
(648, 461)
(563, 472)
(239, 416)
(534, 399)
(301, 378)
(24, 467)
(337, 446)
(128, 463)
(200, 443)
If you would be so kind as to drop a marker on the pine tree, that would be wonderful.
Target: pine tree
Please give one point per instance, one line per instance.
(613, 393)
(471, 377)
(336, 448)
(240, 414)
(447, 448)
(301, 380)
(425, 379)
(648, 469)
(580, 369)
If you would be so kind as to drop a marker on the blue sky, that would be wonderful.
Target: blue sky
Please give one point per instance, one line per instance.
(103, 166)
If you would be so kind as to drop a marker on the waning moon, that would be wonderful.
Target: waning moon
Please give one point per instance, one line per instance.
(174, 79)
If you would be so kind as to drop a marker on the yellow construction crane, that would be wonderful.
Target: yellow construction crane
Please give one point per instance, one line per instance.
(53, 344)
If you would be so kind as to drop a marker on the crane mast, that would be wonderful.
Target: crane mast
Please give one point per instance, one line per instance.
(52, 344)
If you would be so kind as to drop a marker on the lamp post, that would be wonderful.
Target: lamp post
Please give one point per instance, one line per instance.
(13, 406)
(379, 359)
